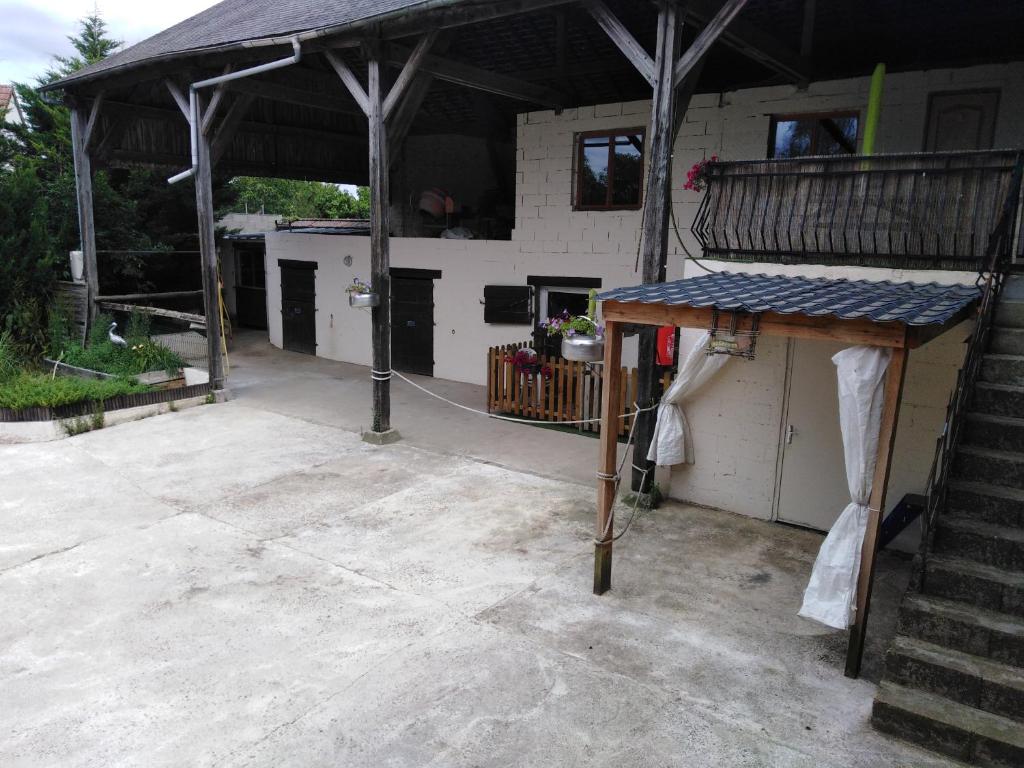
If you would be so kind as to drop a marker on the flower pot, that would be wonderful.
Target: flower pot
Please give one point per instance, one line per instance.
(584, 349)
(77, 266)
(363, 299)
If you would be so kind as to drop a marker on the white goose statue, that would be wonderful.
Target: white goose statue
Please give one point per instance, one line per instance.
(114, 338)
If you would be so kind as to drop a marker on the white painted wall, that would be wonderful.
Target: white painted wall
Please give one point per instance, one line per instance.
(738, 419)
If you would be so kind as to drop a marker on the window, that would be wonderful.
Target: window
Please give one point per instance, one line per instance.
(609, 170)
(832, 133)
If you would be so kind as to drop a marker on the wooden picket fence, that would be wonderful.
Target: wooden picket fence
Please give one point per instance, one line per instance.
(556, 390)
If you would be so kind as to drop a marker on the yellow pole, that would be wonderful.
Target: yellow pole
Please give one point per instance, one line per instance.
(874, 110)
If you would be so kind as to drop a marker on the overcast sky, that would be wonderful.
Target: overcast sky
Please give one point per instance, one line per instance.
(32, 31)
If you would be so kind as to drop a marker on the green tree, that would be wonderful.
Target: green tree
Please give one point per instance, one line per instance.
(91, 44)
(294, 199)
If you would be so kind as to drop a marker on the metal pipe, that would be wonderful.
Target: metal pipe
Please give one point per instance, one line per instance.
(193, 100)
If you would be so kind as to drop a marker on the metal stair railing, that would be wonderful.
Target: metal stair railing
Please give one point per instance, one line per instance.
(999, 257)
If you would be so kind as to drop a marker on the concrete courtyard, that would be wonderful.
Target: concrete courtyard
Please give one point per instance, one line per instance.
(249, 584)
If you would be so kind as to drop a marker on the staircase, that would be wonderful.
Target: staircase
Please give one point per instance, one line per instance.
(954, 676)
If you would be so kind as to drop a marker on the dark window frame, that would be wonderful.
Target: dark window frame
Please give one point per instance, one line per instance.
(819, 116)
(610, 133)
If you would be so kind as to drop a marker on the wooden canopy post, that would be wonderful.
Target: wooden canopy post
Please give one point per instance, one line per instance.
(894, 377)
(80, 130)
(380, 249)
(608, 454)
(208, 253)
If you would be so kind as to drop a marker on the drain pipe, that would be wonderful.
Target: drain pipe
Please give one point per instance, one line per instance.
(193, 100)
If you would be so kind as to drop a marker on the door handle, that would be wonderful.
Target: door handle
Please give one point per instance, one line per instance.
(790, 431)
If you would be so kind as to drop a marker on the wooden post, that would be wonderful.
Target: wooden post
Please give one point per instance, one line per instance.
(208, 251)
(886, 441)
(380, 259)
(607, 456)
(86, 222)
(657, 202)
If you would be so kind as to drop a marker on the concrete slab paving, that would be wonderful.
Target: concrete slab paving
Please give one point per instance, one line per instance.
(244, 587)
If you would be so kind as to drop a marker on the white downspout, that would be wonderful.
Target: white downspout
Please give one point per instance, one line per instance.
(193, 100)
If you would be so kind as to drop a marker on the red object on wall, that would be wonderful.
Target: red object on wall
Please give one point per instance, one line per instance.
(666, 344)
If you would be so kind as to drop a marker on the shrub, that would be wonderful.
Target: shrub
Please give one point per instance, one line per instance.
(140, 356)
(9, 357)
(28, 390)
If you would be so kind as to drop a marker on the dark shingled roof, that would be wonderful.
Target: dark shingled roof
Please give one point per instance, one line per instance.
(234, 22)
(909, 303)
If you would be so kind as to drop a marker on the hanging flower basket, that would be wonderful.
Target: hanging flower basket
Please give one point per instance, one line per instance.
(361, 295)
(584, 349)
(368, 299)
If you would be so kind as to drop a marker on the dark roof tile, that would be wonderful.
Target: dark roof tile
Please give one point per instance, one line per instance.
(909, 303)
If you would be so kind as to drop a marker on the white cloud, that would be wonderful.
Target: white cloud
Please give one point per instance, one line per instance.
(35, 30)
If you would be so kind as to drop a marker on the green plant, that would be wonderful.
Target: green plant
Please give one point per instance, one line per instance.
(74, 427)
(572, 325)
(172, 406)
(98, 418)
(30, 390)
(10, 362)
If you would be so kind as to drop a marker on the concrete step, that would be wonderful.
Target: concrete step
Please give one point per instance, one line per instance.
(966, 679)
(1006, 341)
(948, 727)
(969, 581)
(994, 545)
(987, 503)
(1002, 369)
(1009, 312)
(998, 400)
(984, 465)
(1001, 433)
(963, 627)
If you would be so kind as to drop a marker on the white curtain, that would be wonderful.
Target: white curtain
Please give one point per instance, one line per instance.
(832, 589)
(672, 443)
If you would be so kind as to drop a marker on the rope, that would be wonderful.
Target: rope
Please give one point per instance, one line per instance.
(510, 418)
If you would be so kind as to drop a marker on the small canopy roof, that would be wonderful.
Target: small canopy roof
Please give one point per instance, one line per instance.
(913, 304)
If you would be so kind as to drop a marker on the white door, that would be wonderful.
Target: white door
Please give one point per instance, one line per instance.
(812, 485)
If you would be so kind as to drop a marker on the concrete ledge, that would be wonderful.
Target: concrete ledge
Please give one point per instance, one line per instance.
(382, 438)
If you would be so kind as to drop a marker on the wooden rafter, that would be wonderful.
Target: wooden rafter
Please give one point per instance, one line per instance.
(349, 79)
(623, 39)
(262, 89)
(707, 37)
(408, 73)
(474, 77)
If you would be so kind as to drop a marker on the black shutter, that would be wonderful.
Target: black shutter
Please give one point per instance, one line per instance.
(511, 304)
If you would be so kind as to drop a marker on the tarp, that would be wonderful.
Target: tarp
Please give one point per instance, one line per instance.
(672, 443)
(832, 589)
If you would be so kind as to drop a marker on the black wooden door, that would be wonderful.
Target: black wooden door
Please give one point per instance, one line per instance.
(298, 306)
(412, 325)
(251, 288)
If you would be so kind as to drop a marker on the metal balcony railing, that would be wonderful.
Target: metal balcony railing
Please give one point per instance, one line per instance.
(911, 211)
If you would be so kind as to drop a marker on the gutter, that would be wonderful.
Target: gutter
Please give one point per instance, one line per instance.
(193, 100)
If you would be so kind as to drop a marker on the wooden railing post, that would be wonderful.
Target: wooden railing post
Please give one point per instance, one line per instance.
(607, 457)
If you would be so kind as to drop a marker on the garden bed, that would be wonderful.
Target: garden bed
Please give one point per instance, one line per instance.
(86, 407)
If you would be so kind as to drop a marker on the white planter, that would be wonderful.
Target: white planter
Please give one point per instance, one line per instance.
(363, 299)
(584, 349)
(77, 266)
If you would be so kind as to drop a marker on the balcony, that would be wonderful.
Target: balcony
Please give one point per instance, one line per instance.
(954, 210)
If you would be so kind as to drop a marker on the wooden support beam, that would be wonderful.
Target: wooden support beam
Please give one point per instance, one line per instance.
(623, 39)
(684, 93)
(116, 129)
(150, 296)
(608, 456)
(153, 311)
(754, 43)
(380, 256)
(707, 37)
(404, 115)
(94, 113)
(474, 77)
(893, 396)
(215, 100)
(350, 80)
(229, 126)
(408, 73)
(854, 331)
(807, 32)
(657, 204)
(262, 89)
(86, 220)
(179, 97)
(208, 250)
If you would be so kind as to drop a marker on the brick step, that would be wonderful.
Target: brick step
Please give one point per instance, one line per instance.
(968, 581)
(966, 679)
(948, 727)
(1002, 369)
(984, 465)
(1001, 433)
(1006, 341)
(998, 400)
(987, 503)
(963, 627)
(995, 545)
(1009, 313)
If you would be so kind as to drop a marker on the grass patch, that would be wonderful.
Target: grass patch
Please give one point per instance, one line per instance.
(140, 356)
(29, 390)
